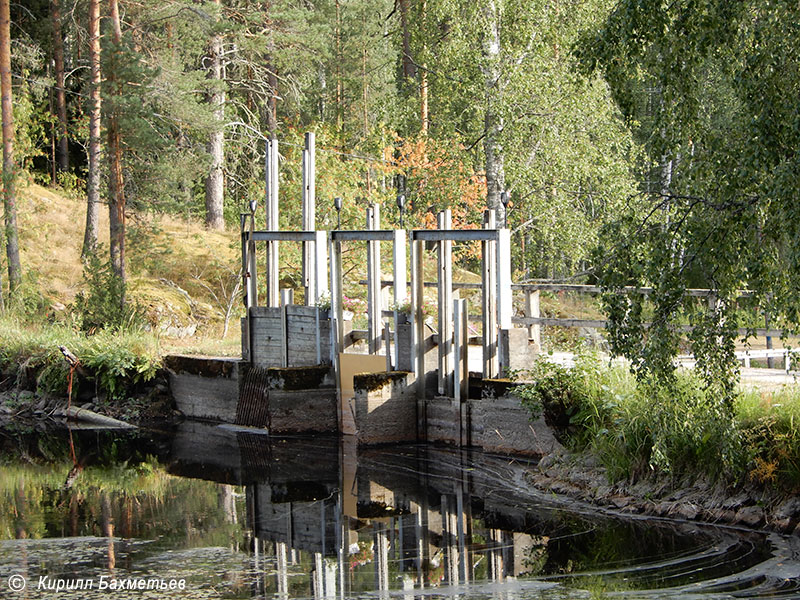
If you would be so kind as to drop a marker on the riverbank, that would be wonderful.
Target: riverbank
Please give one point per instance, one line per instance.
(673, 451)
(692, 498)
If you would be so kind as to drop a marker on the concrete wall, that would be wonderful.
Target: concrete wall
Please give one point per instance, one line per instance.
(304, 399)
(502, 425)
(443, 420)
(386, 407)
(205, 388)
(497, 423)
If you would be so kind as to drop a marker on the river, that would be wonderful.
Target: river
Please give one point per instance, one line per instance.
(204, 511)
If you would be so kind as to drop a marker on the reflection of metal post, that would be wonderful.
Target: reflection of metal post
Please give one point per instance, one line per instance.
(282, 571)
(381, 557)
(341, 548)
(496, 567)
(463, 570)
(318, 577)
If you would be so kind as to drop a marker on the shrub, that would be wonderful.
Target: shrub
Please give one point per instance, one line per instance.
(637, 427)
(117, 358)
(100, 305)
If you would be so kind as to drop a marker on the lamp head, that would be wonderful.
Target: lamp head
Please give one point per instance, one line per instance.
(337, 203)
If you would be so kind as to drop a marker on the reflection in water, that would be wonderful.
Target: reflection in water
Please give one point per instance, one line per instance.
(420, 517)
(242, 515)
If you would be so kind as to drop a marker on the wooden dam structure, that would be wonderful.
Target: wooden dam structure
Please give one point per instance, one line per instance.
(304, 368)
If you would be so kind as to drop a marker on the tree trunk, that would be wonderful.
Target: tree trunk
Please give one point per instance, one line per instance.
(116, 200)
(61, 96)
(423, 74)
(409, 71)
(216, 143)
(95, 115)
(339, 89)
(493, 120)
(9, 192)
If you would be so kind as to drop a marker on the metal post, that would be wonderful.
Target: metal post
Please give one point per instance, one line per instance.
(309, 215)
(400, 292)
(273, 224)
(460, 350)
(504, 307)
(445, 290)
(532, 311)
(417, 321)
(490, 333)
(374, 307)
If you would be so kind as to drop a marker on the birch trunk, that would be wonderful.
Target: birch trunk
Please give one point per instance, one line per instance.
(493, 120)
(95, 115)
(116, 200)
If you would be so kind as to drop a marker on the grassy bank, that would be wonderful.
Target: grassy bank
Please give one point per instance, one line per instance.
(114, 360)
(636, 430)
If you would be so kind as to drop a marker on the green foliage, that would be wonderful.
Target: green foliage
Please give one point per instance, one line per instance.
(117, 358)
(100, 305)
(769, 424)
(709, 89)
(639, 427)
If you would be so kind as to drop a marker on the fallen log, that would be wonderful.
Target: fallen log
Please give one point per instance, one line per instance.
(88, 416)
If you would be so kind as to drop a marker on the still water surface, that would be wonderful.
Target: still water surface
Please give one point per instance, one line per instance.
(236, 514)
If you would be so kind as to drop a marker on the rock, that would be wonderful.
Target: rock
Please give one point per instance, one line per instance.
(738, 501)
(546, 462)
(663, 508)
(25, 396)
(687, 510)
(790, 509)
(620, 501)
(750, 516)
(784, 525)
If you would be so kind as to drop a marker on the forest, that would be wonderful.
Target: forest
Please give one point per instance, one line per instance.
(639, 143)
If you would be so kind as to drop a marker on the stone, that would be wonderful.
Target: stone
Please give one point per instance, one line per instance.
(790, 509)
(750, 516)
(620, 501)
(687, 510)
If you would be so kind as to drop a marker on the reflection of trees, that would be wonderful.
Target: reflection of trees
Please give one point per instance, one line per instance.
(141, 501)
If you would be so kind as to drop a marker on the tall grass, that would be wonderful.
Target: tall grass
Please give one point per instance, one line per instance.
(636, 428)
(117, 358)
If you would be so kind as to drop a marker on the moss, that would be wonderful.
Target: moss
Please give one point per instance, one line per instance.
(297, 378)
(375, 381)
(198, 365)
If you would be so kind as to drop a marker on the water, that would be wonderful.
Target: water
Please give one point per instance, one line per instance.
(227, 513)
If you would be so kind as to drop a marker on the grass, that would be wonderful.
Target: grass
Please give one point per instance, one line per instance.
(637, 429)
(179, 272)
(118, 359)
